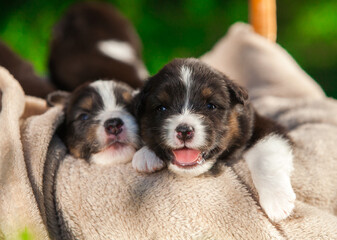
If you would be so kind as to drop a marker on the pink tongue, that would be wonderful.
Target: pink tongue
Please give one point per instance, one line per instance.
(186, 155)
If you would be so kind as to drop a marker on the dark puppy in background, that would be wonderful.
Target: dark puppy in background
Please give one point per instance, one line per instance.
(23, 71)
(192, 117)
(99, 127)
(94, 41)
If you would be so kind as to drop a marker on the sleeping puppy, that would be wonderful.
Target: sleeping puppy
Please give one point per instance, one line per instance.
(94, 41)
(192, 117)
(98, 125)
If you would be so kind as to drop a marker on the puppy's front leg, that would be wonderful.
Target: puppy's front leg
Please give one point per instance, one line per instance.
(146, 161)
(270, 164)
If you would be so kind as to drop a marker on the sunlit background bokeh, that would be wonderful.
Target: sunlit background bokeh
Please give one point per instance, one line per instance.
(307, 29)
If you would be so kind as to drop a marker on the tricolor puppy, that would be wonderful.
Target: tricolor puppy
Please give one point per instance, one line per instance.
(94, 41)
(98, 124)
(192, 117)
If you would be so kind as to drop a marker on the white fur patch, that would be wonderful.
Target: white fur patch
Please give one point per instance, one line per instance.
(270, 162)
(194, 171)
(191, 119)
(121, 51)
(146, 161)
(112, 156)
(186, 74)
(142, 72)
(106, 91)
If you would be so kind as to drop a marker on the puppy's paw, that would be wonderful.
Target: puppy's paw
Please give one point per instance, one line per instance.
(146, 161)
(278, 203)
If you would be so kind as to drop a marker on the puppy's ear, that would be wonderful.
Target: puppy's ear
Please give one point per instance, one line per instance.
(237, 93)
(138, 104)
(139, 100)
(57, 98)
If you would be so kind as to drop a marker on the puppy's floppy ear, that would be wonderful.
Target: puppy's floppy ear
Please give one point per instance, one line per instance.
(57, 98)
(139, 100)
(237, 93)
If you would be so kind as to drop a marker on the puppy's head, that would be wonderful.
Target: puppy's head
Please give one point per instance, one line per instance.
(99, 126)
(189, 114)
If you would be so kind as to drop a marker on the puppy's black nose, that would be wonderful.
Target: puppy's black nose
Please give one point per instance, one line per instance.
(185, 132)
(114, 126)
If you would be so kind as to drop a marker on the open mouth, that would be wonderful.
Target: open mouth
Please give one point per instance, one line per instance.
(187, 157)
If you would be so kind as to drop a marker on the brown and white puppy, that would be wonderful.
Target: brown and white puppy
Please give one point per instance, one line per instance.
(94, 41)
(98, 124)
(192, 117)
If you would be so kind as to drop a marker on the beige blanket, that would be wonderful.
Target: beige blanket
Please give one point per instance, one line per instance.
(45, 193)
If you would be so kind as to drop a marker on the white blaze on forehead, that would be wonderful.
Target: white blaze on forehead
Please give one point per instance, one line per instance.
(191, 119)
(106, 90)
(186, 73)
(121, 51)
(186, 78)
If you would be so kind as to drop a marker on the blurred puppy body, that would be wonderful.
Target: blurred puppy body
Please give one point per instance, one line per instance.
(23, 71)
(192, 117)
(94, 41)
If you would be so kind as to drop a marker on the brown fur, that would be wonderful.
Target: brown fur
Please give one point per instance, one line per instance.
(206, 92)
(164, 97)
(86, 103)
(23, 71)
(74, 55)
(127, 97)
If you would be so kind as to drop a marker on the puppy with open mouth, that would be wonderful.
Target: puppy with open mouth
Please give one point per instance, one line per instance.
(192, 117)
(98, 124)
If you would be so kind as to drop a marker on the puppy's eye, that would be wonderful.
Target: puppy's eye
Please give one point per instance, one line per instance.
(83, 116)
(211, 106)
(161, 108)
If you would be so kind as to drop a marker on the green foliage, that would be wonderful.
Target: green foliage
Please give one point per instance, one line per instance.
(186, 28)
(25, 235)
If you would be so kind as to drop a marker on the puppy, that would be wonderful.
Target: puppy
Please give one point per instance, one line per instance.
(23, 71)
(94, 41)
(98, 124)
(192, 117)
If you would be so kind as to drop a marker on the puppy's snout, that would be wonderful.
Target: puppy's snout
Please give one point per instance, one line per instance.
(185, 132)
(114, 126)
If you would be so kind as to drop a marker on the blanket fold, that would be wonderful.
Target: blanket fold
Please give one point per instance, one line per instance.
(18, 206)
(51, 195)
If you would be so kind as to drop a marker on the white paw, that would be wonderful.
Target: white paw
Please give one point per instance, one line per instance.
(146, 161)
(270, 164)
(279, 203)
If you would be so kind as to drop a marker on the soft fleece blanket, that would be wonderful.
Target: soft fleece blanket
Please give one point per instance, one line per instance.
(50, 195)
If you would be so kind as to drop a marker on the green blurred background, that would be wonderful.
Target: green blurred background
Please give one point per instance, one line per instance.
(186, 28)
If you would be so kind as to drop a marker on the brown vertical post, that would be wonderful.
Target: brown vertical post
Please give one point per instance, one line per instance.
(263, 18)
